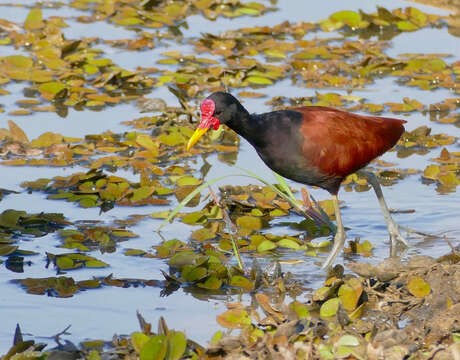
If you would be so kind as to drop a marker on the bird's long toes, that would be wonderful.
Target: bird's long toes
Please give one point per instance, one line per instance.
(395, 236)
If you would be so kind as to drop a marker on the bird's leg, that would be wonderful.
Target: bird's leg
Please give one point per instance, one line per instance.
(339, 238)
(393, 227)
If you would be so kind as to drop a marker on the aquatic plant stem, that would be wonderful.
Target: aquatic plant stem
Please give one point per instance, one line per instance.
(232, 230)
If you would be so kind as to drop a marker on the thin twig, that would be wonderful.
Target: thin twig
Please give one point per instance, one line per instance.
(233, 230)
(413, 231)
(452, 247)
(58, 335)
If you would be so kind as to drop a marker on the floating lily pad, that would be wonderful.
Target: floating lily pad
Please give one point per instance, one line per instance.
(234, 318)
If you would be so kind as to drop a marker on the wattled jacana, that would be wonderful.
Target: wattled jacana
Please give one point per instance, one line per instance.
(312, 145)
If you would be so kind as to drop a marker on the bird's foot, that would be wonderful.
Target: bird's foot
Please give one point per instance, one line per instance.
(339, 241)
(395, 234)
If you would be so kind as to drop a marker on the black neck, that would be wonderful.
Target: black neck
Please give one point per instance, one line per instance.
(247, 125)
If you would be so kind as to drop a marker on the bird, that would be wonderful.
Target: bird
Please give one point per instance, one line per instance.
(312, 145)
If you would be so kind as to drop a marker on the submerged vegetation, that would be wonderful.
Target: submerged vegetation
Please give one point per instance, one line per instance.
(355, 314)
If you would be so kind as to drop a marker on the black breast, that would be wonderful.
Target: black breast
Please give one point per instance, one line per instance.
(277, 139)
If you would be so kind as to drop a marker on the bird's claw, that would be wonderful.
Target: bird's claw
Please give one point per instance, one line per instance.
(395, 234)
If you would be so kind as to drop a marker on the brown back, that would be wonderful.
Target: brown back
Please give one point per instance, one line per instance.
(340, 143)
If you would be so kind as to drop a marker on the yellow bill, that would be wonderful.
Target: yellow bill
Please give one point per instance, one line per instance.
(199, 132)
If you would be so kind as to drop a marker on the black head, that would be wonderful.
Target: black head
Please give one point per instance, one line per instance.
(219, 108)
(227, 107)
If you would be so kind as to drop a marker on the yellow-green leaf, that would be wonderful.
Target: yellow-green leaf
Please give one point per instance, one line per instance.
(288, 243)
(259, 80)
(330, 307)
(266, 245)
(138, 340)
(17, 133)
(34, 20)
(418, 287)
(250, 222)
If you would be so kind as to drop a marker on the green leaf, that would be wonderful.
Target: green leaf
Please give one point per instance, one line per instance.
(177, 343)
(19, 61)
(417, 16)
(88, 201)
(34, 20)
(172, 139)
(343, 352)
(154, 349)
(406, 26)
(329, 308)
(138, 340)
(266, 245)
(65, 263)
(184, 258)
(293, 203)
(256, 212)
(9, 218)
(142, 193)
(241, 281)
(250, 222)
(211, 283)
(194, 218)
(51, 87)
(96, 264)
(146, 141)
(123, 234)
(47, 139)
(347, 340)
(448, 179)
(248, 11)
(17, 133)
(129, 21)
(259, 80)
(187, 180)
(188, 198)
(288, 243)
(216, 337)
(90, 284)
(234, 319)
(160, 214)
(202, 235)
(278, 212)
(6, 250)
(134, 252)
(418, 287)
(300, 309)
(349, 294)
(39, 184)
(249, 173)
(325, 352)
(350, 18)
(191, 273)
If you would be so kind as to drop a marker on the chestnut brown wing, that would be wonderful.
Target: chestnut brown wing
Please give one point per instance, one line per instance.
(339, 143)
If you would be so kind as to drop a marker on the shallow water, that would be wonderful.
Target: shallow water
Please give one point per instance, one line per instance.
(100, 313)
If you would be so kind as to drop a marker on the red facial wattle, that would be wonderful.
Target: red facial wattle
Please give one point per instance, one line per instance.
(208, 108)
(208, 121)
